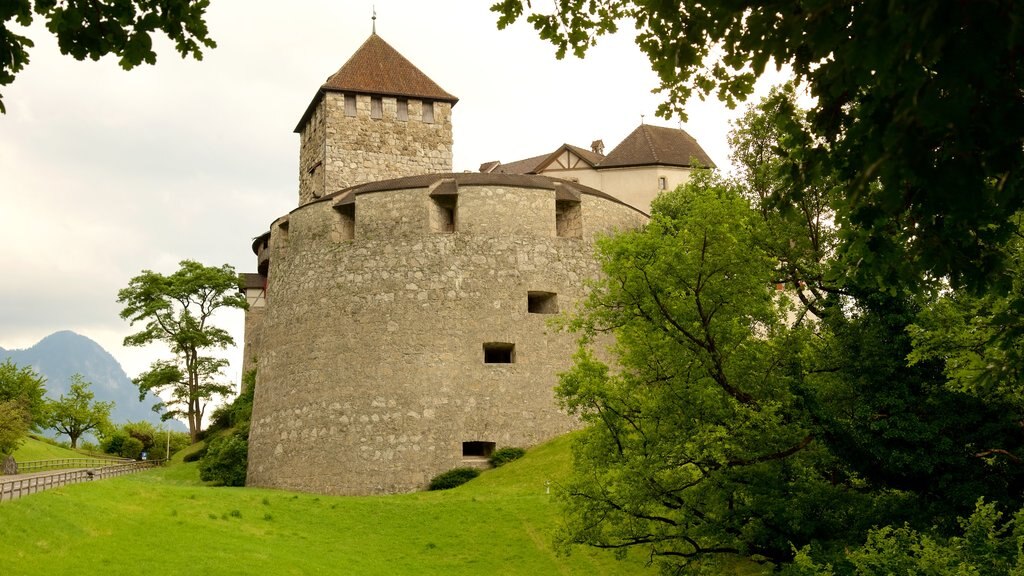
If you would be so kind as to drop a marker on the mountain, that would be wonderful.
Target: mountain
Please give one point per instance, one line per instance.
(62, 354)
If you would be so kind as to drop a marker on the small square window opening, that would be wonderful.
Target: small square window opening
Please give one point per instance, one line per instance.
(542, 303)
(499, 353)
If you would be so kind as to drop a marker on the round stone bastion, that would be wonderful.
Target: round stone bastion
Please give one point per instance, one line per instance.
(408, 326)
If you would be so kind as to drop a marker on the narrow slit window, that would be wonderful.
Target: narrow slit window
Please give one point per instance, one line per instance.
(376, 107)
(662, 184)
(350, 105)
(542, 302)
(477, 449)
(403, 109)
(428, 112)
(499, 353)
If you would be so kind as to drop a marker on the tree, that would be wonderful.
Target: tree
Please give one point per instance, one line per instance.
(76, 413)
(697, 450)
(919, 109)
(737, 427)
(15, 422)
(26, 387)
(88, 29)
(177, 310)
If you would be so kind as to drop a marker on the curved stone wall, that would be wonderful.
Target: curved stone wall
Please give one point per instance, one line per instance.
(371, 353)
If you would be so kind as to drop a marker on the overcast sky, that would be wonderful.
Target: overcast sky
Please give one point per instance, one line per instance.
(105, 173)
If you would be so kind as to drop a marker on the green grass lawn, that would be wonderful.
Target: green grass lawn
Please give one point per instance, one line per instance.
(166, 522)
(33, 449)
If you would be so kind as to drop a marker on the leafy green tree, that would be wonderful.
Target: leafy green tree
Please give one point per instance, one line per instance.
(88, 29)
(177, 309)
(983, 544)
(919, 108)
(698, 450)
(77, 413)
(25, 386)
(15, 422)
(737, 425)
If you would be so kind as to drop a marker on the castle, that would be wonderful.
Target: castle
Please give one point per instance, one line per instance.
(400, 314)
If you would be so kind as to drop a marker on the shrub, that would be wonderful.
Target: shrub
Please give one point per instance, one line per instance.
(503, 456)
(452, 478)
(226, 460)
(195, 456)
(132, 448)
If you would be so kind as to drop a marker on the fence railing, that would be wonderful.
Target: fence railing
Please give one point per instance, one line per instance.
(12, 487)
(40, 465)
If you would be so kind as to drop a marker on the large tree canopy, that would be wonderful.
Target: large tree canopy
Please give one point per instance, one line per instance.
(178, 309)
(739, 423)
(91, 29)
(920, 108)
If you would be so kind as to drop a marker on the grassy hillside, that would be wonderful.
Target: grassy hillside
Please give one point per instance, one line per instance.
(166, 522)
(34, 449)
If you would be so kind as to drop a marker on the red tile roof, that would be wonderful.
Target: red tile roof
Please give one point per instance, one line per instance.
(376, 68)
(656, 145)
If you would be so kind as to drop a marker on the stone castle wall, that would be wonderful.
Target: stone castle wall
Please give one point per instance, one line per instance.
(371, 360)
(337, 151)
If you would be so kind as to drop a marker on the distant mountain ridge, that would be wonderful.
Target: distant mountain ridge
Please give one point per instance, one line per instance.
(63, 354)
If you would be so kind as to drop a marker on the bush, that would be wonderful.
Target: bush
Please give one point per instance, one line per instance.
(452, 478)
(226, 460)
(132, 448)
(503, 456)
(195, 456)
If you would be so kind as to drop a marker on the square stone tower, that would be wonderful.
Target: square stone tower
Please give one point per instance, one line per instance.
(378, 117)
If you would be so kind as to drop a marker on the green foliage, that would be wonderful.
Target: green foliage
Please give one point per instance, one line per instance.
(197, 455)
(452, 478)
(77, 413)
(91, 30)
(152, 439)
(237, 414)
(176, 310)
(131, 448)
(698, 448)
(26, 387)
(983, 544)
(15, 422)
(505, 455)
(225, 461)
(918, 108)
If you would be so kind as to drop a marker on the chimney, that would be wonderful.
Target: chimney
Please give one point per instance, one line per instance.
(597, 147)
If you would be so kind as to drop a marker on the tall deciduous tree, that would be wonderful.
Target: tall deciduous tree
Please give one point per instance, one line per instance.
(75, 414)
(698, 449)
(25, 386)
(919, 108)
(177, 310)
(22, 404)
(90, 29)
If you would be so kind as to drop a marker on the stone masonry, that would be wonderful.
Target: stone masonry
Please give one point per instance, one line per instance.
(372, 371)
(404, 318)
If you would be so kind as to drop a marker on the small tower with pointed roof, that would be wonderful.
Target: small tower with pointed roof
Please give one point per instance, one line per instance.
(378, 117)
